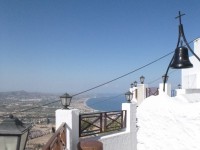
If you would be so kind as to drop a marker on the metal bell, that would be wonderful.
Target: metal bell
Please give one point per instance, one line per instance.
(181, 59)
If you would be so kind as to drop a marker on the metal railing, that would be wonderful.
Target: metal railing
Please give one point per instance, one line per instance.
(58, 140)
(96, 123)
(151, 91)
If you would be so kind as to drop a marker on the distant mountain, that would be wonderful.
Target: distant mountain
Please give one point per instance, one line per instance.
(22, 92)
(25, 95)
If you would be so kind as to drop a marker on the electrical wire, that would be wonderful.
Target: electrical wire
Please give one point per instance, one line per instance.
(157, 79)
(100, 85)
(110, 98)
(123, 75)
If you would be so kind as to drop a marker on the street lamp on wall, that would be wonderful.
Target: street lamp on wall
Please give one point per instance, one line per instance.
(66, 100)
(132, 85)
(142, 79)
(180, 59)
(129, 96)
(135, 83)
(179, 86)
(165, 76)
(13, 134)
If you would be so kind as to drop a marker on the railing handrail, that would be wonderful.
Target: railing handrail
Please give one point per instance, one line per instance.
(57, 136)
(102, 122)
(100, 112)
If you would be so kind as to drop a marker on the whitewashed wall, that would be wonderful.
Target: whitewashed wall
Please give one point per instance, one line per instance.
(127, 139)
(124, 140)
(191, 76)
(71, 118)
(167, 88)
(141, 93)
(169, 123)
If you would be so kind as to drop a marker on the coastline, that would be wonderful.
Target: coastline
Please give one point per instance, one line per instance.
(82, 106)
(85, 104)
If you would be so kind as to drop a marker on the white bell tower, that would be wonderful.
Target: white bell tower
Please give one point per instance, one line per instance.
(191, 77)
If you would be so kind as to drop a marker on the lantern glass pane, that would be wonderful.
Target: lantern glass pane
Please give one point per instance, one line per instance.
(167, 78)
(8, 142)
(23, 140)
(68, 101)
(163, 78)
(127, 97)
(64, 101)
(142, 79)
(135, 83)
(132, 85)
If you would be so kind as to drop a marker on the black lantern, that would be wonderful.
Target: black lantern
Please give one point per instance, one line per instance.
(129, 96)
(180, 59)
(66, 100)
(179, 86)
(142, 79)
(132, 85)
(135, 83)
(165, 77)
(13, 134)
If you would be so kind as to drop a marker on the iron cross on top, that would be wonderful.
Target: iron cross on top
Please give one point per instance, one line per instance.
(179, 16)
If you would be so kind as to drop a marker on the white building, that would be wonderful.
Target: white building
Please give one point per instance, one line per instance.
(191, 76)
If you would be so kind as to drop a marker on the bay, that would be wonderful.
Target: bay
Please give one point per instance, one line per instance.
(106, 103)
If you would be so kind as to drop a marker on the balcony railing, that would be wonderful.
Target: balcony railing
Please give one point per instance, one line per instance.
(58, 140)
(152, 91)
(96, 123)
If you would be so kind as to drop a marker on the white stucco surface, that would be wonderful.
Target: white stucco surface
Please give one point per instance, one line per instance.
(71, 118)
(191, 76)
(124, 140)
(169, 123)
(141, 92)
(167, 88)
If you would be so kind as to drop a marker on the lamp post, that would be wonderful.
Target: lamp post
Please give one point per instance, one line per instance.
(129, 96)
(132, 85)
(13, 134)
(142, 79)
(135, 83)
(165, 77)
(179, 86)
(180, 59)
(66, 100)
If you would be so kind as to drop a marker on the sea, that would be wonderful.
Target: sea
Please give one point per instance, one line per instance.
(106, 103)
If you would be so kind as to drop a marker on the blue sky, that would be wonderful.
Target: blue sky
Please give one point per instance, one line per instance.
(73, 45)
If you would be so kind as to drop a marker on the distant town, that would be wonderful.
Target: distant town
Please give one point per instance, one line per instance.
(31, 108)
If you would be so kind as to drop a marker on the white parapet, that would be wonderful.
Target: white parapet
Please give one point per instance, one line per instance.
(141, 92)
(187, 91)
(167, 89)
(71, 118)
(134, 90)
(123, 140)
